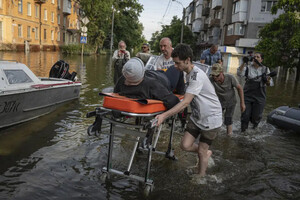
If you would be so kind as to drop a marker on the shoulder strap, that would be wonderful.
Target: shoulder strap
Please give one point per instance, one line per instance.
(247, 72)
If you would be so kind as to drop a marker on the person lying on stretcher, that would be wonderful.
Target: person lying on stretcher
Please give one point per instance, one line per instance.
(136, 83)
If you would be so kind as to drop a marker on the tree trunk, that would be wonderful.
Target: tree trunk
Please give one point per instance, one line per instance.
(298, 71)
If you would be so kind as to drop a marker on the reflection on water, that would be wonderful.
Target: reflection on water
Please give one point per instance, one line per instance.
(53, 157)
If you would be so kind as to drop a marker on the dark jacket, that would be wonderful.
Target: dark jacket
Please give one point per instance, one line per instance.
(149, 88)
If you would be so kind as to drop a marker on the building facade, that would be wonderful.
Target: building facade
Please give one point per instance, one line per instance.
(232, 24)
(35, 25)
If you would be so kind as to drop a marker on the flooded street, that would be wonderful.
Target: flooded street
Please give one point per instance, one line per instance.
(53, 157)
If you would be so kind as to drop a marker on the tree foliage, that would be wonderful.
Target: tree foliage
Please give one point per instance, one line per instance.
(280, 40)
(126, 24)
(173, 31)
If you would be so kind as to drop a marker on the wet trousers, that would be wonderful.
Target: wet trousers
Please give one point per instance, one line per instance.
(253, 113)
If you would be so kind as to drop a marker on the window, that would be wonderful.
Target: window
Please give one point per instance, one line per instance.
(52, 35)
(37, 11)
(65, 21)
(45, 34)
(28, 31)
(69, 4)
(217, 14)
(266, 5)
(36, 33)
(230, 29)
(52, 16)
(239, 29)
(1, 3)
(58, 4)
(45, 15)
(20, 30)
(64, 37)
(236, 7)
(20, 6)
(0, 30)
(29, 9)
(17, 76)
(58, 19)
(58, 36)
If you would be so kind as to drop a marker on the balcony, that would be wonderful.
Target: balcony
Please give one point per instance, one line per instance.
(39, 1)
(216, 4)
(246, 42)
(205, 11)
(197, 26)
(67, 6)
(214, 22)
(239, 17)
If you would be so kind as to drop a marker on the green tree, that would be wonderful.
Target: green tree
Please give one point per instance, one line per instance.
(99, 15)
(173, 31)
(280, 40)
(126, 23)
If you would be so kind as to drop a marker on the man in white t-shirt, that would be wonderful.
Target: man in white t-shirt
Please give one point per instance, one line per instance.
(165, 60)
(206, 117)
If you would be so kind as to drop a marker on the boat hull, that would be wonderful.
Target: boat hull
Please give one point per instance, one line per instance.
(285, 117)
(21, 106)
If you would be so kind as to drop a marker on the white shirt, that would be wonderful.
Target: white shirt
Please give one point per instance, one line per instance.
(254, 72)
(163, 64)
(205, 106)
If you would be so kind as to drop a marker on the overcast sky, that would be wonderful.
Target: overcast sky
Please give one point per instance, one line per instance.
(157, 13)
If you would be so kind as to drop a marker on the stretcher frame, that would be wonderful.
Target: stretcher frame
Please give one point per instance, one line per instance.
(141, 127)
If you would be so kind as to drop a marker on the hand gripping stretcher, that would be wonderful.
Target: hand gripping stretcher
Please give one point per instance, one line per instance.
(115, 109)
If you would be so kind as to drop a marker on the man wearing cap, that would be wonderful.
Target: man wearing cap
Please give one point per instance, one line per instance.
(224, 85)
(135, 83)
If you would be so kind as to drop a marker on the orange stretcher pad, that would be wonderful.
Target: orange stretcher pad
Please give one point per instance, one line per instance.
(140, 106)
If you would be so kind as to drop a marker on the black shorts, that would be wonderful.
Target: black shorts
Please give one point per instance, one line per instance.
(206, 136)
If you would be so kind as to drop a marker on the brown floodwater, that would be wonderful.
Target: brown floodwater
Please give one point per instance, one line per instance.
(52, 157)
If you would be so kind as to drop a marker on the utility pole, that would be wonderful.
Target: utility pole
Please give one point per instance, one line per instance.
(112, 30)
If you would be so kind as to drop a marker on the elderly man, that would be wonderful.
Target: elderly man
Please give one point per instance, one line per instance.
(119, 58)
(206, 117)
(166, 64)
(211, 56)
(135, 83)
(224, 85)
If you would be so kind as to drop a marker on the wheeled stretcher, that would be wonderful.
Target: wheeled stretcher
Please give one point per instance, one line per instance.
(141, 126)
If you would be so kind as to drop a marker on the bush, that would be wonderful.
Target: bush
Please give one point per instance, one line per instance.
(76, 49)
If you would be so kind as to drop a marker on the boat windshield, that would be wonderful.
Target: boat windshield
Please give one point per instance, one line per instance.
(17, 76)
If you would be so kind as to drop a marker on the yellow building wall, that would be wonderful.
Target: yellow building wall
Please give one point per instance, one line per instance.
(18, 27)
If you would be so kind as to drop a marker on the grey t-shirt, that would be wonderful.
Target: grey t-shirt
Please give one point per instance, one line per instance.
(225, 91)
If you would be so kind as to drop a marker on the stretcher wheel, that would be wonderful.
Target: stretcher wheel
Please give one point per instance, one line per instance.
(90, 130)
(103, 176)
(148, 189)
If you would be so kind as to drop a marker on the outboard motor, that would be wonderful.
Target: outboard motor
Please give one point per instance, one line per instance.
(61, 70)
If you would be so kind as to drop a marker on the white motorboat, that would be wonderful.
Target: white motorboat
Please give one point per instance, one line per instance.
(24, 96)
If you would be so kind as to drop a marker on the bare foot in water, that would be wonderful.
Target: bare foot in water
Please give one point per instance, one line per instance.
(204, 164)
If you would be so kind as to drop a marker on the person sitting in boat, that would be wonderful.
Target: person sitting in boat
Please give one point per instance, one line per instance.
(145, 54)
(140, 84)
(120, 57)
